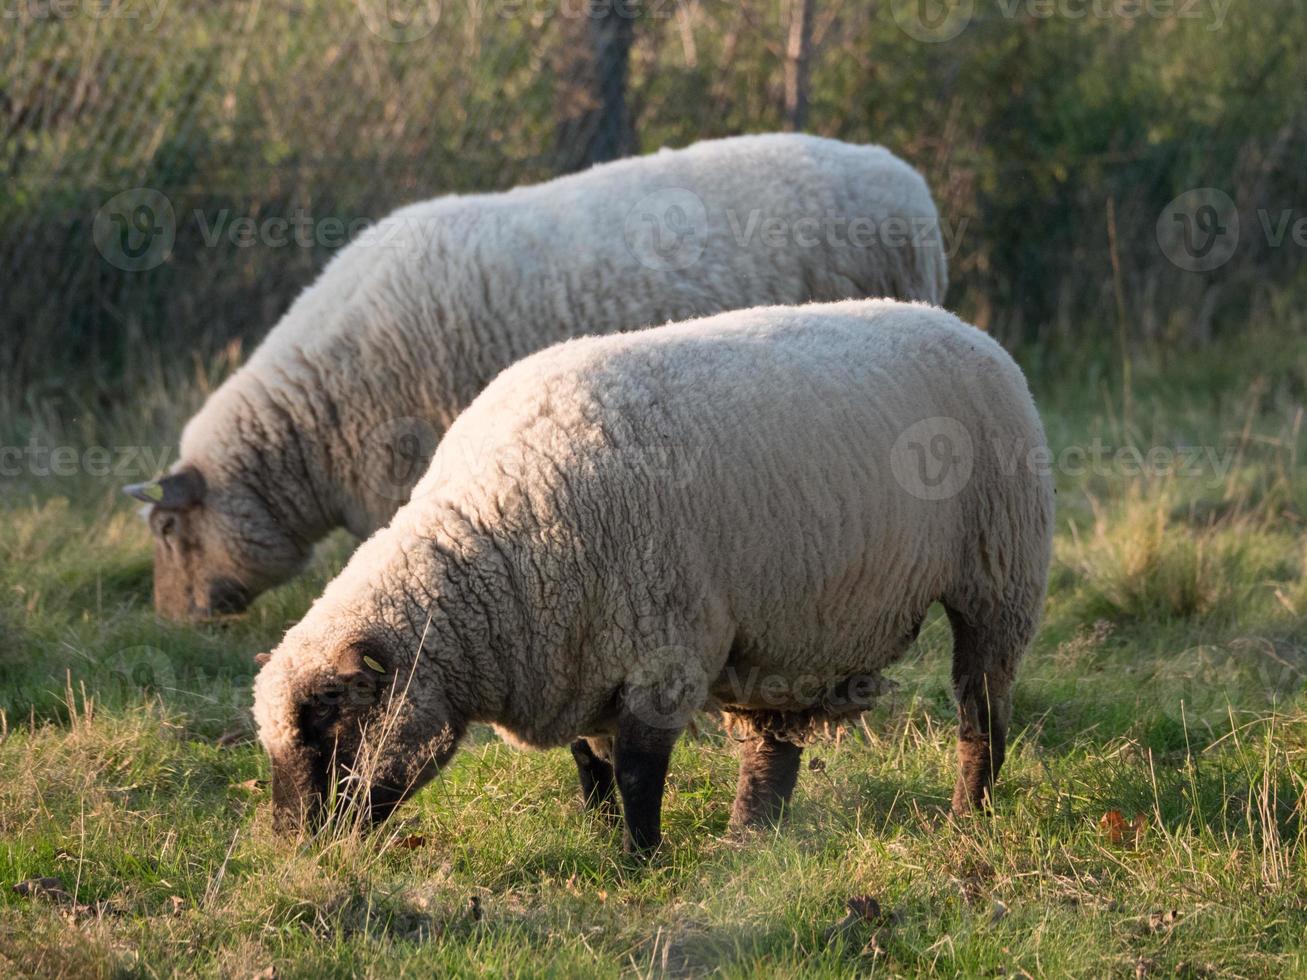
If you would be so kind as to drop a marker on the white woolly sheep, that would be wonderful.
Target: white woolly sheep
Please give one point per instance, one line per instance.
(752, 511)
(336, 414)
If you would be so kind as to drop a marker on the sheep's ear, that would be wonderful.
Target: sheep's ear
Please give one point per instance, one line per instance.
(176, 491)
(261, 659)
(363, 659)
(363, 670)
(148, 493)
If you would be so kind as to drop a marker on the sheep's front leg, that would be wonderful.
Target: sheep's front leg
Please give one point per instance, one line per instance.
(641, 753)
(769, 769)
(593, 764)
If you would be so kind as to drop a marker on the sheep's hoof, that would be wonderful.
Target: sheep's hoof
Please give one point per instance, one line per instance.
(968, 803)
(640, 853)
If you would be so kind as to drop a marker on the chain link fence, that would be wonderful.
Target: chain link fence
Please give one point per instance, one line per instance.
(174, 171)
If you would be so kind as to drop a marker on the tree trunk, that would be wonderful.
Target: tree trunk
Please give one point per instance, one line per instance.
(797, 53)
(596, 122)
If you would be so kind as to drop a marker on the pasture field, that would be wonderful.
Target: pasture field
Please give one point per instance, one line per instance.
(1151, 819)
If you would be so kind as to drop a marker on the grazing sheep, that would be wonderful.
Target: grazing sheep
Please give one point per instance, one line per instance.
(337, 413)
(752, 511)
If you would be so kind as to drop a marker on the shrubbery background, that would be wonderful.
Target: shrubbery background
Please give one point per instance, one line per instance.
(1054, 132)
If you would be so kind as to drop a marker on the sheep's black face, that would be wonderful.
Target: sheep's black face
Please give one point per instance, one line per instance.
(215, 549)
(359, 750)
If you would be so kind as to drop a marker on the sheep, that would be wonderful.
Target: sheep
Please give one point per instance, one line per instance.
(336, 414)
(750, 513)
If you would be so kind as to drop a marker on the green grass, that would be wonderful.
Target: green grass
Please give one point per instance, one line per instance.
(1167, 684)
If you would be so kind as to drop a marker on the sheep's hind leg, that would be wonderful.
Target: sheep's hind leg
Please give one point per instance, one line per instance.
(769, 768)
(641, 753)
(598, 785)
(985, 655)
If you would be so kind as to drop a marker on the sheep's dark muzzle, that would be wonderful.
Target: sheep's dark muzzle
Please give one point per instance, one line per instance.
(300, 793)
(299, 789)
(227, 597)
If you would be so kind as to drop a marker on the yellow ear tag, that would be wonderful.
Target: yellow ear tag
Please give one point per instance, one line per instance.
(374, 665)
(154, 491)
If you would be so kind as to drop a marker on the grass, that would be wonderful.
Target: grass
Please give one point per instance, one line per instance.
(1166, 687)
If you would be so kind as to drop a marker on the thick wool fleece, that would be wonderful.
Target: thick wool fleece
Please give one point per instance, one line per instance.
(750, 510)
(373, 362)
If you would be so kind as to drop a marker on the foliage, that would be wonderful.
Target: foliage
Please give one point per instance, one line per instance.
(1054, 134)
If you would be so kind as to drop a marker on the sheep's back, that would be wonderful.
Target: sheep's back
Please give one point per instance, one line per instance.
(767, 462)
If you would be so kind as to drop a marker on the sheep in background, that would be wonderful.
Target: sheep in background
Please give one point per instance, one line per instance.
(337, 413)
(752, 512)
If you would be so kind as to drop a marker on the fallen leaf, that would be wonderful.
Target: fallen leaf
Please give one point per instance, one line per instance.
(177, 903)
(1120, 831)
(412, 842)
(1113, 825)
(251, 786)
